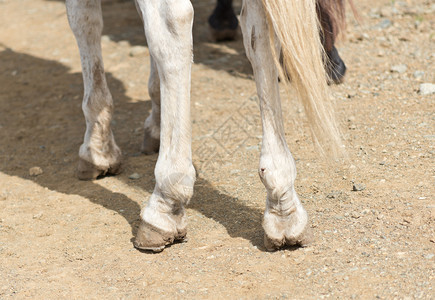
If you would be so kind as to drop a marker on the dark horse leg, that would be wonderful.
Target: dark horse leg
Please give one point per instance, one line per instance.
(335, 67)
(223, 23)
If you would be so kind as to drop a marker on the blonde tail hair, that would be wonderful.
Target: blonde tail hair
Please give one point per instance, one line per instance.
(295, 24)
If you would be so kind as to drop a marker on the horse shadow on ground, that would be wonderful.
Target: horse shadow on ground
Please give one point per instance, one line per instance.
(122, 23)
(41, 124)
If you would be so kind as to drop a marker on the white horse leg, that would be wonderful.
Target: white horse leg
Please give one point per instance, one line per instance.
(168, 28)
(151, 140)
(99, 153)
(285, 220)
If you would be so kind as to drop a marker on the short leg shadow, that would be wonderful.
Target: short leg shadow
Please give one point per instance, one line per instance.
(238, 219)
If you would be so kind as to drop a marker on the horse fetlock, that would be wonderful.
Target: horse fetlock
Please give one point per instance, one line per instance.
(278, 182)
(176, 185)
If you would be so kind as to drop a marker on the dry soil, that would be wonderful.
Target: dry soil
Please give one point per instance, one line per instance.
(64, 238)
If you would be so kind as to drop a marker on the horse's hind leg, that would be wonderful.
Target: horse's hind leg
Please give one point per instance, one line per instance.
(285, 220)
(99, 154)
(335, 67)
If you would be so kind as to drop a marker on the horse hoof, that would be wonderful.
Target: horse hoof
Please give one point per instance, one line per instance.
(273, 244)
(337, 74)
(151, 238)
(291, 229)
(88, 171)
(303, 240)
(336, 68)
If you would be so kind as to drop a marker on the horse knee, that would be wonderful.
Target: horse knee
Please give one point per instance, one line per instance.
(180, 14)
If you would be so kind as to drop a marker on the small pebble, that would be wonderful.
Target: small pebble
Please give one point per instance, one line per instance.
(105, 39)
(334, 195)
(427, 89)
(384, 24)
(124, 44)
(401, 254)
(134, 176)
(138, 50)
(399, 68)
(35, 171)
(358, 187)
(418, 74)
(355, 215)
(38, 216)
(351, 94)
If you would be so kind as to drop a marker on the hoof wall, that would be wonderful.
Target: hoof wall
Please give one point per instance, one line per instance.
(151, 238)
(87, 171)
(303, 240)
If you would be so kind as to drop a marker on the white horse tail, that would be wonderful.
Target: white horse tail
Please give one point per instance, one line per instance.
(295, 24)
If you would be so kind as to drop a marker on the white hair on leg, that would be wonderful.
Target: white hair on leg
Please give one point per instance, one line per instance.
(99, 153)
(168, 27)
(285, 220)
(294, 24)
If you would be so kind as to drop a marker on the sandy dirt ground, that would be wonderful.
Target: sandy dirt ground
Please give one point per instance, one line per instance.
(65, 238)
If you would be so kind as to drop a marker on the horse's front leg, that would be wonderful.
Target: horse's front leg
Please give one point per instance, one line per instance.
(285, 220)
(168, 28)
(99, 153)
